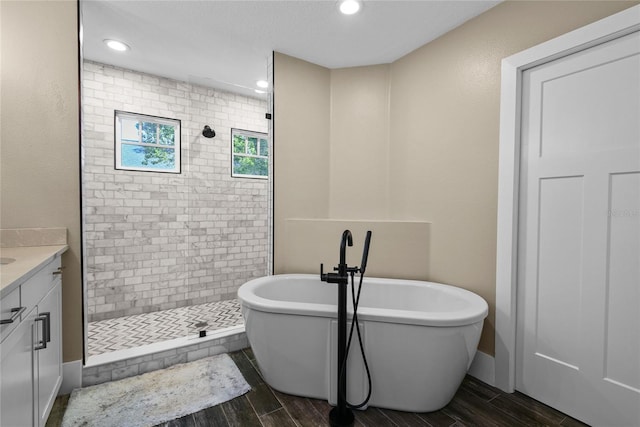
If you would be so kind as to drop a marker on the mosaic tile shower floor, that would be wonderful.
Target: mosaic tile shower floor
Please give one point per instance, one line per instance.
(132, 331)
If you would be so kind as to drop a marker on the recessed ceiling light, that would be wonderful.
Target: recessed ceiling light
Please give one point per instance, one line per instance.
(349, 7)
(262, 83)
(116, 45)
(259, 91)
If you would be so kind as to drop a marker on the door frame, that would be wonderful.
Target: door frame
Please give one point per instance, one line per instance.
(604, 30)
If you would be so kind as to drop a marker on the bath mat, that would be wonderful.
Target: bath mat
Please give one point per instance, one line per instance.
(158, 396)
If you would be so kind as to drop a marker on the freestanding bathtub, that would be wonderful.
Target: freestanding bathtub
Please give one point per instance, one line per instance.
(419, 337)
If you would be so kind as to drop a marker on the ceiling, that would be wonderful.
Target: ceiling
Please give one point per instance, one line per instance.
(226, 44)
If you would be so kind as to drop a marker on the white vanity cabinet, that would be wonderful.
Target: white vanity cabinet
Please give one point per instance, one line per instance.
(17, 376)
(50, 358)
(31, 348)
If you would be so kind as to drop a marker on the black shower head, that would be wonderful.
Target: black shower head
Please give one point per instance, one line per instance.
(207, 132)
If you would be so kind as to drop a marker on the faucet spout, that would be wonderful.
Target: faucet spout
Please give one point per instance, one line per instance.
(341, 277)
(347, 239)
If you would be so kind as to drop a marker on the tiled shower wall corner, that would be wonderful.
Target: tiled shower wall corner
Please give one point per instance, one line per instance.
(156, 241)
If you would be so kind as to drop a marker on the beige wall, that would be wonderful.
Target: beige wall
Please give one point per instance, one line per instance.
(445, 100)
(337, 175)
(439, 163)
(359, 141)
(39, 154)
(300, 147)
(452, 128)
(314, 241)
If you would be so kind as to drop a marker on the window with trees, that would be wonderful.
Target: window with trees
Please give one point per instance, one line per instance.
(146, 143)
(250, 154)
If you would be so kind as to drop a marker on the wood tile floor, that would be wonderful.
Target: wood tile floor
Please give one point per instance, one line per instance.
(475, 404)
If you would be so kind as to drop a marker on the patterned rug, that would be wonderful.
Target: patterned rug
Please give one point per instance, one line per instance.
(158, 396)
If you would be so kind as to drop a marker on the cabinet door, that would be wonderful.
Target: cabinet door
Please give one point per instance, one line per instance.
(17, 373)
(50, 358)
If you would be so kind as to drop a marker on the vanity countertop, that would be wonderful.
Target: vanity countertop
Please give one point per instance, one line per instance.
(28, 260)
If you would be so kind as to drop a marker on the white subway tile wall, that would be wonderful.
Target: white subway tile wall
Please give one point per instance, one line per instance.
(157, 241)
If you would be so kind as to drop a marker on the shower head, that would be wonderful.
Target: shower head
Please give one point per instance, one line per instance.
(207, 132)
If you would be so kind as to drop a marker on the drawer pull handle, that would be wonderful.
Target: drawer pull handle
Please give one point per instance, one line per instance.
(58, 271)
(17, 311)
(42, 344)
(48, 322)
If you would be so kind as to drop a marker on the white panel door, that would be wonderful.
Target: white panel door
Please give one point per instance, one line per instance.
(578, 336)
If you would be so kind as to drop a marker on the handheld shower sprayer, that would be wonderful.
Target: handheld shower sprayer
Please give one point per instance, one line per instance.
(365, 252)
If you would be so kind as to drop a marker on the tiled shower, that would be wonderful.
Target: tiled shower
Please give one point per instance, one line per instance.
(161, 241)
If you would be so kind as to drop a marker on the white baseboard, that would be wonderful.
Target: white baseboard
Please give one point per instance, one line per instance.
(71, 376)
(483, 368)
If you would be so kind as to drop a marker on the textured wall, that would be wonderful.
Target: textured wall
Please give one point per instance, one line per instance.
(156, 241)
(39, 154)
(445, 109)
(439, 161)
(360, 143)
(301, 153)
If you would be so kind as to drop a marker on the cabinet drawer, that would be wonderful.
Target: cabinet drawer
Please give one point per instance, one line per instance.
(10, 307)
(34, 289)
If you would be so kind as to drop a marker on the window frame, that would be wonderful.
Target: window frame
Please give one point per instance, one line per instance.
(259, 136)
(177, 146)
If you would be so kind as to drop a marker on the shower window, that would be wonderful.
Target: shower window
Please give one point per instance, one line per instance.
(146, 143)
(250, 154)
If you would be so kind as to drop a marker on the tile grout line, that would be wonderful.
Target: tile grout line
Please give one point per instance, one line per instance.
(226, 417)
(387, 417)
(249, 400)
(287, 411)
(259, 417)
(316, 409)
(428, 423)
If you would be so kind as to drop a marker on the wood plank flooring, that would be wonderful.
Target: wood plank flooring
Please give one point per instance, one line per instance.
(475, 404)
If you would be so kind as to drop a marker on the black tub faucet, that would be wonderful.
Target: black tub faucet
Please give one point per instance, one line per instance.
(347, 238)
(341, 415)
(342, 276)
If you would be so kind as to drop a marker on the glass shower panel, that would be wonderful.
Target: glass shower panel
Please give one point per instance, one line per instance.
(227, 217)
(167, 247)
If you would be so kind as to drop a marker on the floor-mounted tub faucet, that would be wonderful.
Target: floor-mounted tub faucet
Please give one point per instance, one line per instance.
(342, 415)
(341, 277)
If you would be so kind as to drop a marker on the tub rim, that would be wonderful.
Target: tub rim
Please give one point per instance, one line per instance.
(477, 311)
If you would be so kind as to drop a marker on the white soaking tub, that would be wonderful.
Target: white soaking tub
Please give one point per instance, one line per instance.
(419, 337)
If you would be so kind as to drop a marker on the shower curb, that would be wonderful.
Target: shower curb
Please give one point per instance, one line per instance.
(101, 372)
